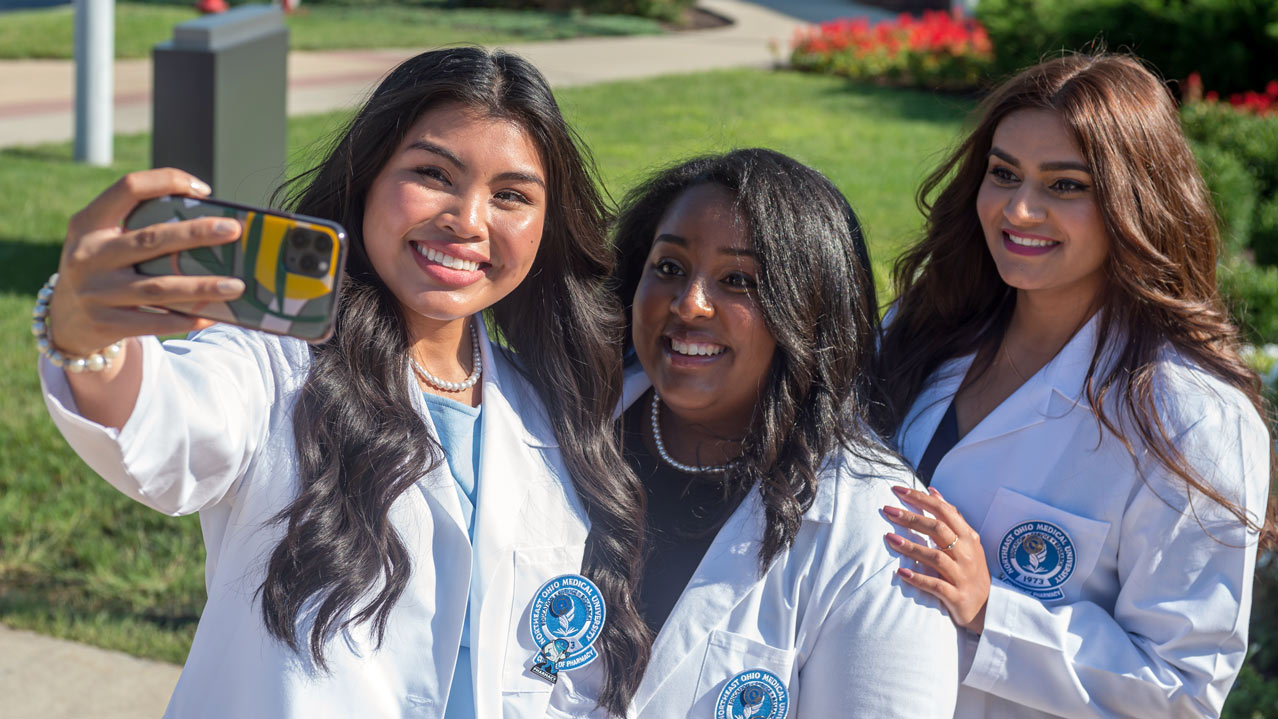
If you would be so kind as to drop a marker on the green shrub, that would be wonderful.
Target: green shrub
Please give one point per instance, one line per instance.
(668, 10)
(1255, 694)
(1253, 138)
(1233, 190)
(1264, 233)
(1228, 141)
(1233, 43)
(1251, 293)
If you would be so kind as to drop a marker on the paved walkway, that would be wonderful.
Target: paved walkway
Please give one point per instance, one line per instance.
(37, 96)
(45, 678)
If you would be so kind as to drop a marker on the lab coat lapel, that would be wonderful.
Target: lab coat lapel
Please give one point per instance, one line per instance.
(521, 503)
(724, 578)
(438, 486)
(1051, 392)
(926, 413)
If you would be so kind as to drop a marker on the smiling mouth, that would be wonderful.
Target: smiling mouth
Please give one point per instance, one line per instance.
(1022, 241)
(452, 263)
(695, 349)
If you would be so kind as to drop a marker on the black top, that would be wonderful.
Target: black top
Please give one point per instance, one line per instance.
(943, 440)
(685, 512)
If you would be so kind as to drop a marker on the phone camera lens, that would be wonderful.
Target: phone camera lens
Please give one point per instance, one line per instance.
(297, 239)
(308, 263)
(323, 242)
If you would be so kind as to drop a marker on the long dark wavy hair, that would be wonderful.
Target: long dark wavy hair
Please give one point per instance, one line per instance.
(360, 441)
(816, 295)
(1160, 272)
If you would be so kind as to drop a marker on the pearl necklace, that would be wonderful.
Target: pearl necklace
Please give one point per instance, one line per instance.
(463, 385)
(661, 446)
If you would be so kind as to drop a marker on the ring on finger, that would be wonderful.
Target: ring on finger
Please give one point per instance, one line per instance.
(950, 546)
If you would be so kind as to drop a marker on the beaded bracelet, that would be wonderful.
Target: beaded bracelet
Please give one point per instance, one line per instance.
(95, 362)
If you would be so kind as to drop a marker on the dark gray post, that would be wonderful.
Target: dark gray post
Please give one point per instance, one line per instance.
(218, 109)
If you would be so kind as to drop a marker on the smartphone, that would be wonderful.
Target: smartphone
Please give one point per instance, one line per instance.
(291, 265)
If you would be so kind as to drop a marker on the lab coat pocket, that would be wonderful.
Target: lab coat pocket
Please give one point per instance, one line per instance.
(1040, 550)
(533, 568)
(729, 655)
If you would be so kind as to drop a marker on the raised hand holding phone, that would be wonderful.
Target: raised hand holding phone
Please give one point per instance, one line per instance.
(99, 293)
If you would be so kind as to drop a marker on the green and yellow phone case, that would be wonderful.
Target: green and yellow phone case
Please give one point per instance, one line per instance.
(291, 265)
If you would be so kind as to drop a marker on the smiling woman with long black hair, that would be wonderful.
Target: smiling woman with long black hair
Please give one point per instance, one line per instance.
(768, 589)
(380, 509)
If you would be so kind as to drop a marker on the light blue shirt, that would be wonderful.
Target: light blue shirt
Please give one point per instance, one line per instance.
(457, 425)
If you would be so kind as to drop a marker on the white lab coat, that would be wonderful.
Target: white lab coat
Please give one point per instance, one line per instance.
(830, 617)
(1152, 619)
(212, 432)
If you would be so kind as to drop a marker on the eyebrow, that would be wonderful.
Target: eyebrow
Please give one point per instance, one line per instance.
(677, 240)
(1048, 166)
(512, 176)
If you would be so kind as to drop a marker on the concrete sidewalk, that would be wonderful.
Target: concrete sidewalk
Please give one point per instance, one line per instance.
(45, 678)
(37, 96)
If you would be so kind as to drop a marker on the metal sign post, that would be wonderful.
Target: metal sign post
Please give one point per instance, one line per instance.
(94, 80)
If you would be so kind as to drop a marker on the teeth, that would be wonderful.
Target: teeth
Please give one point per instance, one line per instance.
(453, 263)
(695, 349)
(1029, 242)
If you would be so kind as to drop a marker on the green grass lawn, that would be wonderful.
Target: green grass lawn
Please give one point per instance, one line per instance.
(79, 560)
(47, 33)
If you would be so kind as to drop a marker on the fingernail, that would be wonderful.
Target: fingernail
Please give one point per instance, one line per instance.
(892, 511)
(200, 187)
(895, 539)
(901, 491)
(225, 227)
(935, 492)
(905, 573)
(230, 286)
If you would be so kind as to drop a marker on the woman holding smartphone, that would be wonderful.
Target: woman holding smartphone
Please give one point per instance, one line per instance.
(1061, 367)
(765, 580)
(379, 510)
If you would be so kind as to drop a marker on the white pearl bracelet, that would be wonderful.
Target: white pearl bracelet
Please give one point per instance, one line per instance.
(95, 362)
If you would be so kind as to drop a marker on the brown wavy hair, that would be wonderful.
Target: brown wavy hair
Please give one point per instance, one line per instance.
(1160, 272)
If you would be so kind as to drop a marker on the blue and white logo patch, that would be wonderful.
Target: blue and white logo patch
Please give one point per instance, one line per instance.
(1038, 558)
(568, 613)
(753, 694)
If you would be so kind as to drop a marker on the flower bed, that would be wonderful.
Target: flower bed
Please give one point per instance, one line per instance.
(1256, 103)
(934, 50)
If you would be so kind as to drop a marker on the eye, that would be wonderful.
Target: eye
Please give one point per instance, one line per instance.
(1066, 186)
(513, 196)
(740, 281)
(1003, 175)
(434, 173)
(667, 267)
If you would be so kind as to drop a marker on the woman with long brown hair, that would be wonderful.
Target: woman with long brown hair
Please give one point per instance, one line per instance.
(1060, 367)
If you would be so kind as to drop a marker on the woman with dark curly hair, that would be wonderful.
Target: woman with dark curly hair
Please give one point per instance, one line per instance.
(765, 580)
(1060, 367)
